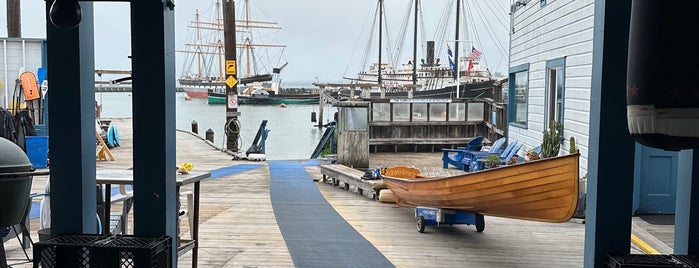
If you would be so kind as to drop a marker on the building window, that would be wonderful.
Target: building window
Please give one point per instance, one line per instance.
(518, 94)
(355, 119)
(555, 88)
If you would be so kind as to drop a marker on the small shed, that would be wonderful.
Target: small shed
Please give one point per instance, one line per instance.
(353, 133)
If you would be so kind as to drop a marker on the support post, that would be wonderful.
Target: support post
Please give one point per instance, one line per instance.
(231, 76)
(71, 69)
(153, 98)
(610, 168)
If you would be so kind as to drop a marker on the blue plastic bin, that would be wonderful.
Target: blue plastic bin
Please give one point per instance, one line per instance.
(38, 150)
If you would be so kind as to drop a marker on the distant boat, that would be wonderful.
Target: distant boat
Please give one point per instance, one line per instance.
(255, 93)
(539, 190)
(432, 77)
(259, 63)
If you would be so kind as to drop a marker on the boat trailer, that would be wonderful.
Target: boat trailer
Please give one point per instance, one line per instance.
(436, 216)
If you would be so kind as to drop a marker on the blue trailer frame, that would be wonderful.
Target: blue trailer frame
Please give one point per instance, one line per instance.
(436, 216)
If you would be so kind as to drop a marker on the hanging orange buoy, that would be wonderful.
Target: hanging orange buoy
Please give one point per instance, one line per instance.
(662, 95)
(29, 86)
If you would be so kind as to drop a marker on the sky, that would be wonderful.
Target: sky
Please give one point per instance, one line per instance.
(324, 39)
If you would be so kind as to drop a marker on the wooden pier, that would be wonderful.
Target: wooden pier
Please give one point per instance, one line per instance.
(238, 227)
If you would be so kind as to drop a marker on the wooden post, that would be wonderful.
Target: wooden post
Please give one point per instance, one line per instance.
(195, 127)
(321, 104)
(210, 135)
(229, 36)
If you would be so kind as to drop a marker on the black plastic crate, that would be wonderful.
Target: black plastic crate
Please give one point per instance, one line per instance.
(103, 251)
(687, 260)
(643, 261)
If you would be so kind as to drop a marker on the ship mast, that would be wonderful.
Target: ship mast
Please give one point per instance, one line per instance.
(415, 46)
(220, 47)
(380, 39)
(198, 49)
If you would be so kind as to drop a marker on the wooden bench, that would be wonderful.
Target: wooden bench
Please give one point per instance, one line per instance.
(349, 177)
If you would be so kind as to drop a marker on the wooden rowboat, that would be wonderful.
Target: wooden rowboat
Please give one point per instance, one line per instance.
(540, 190)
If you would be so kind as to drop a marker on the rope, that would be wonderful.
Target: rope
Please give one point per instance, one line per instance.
(232, 130)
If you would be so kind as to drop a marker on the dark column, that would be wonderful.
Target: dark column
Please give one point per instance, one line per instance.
(153, 67)
(70, 68)
(686, 223)
(14, 19)
(611, 155)
(693, 235)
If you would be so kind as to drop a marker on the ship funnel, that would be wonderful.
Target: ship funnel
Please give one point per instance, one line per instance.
(430, 53)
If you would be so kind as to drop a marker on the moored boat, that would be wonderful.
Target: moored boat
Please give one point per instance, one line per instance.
(459, 76)
(541, 190)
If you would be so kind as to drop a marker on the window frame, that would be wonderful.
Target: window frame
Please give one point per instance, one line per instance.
(511, 96)
(559, 66)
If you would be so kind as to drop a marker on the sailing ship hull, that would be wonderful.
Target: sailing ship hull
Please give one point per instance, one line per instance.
(540, 190)
(474, 90)
(196, 92)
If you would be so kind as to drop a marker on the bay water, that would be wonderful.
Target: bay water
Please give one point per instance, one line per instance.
(292, 135)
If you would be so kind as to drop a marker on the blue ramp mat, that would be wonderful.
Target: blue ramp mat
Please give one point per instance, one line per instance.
(313, 231)
(225, 171)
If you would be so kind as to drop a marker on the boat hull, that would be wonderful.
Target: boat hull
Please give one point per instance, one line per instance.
(214, 98)
(196, 92)
(483, 89)
(540, 190)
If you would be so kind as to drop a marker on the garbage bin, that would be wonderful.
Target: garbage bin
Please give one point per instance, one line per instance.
(37, 150)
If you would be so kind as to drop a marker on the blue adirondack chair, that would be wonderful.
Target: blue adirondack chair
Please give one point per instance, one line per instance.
(512, 153)
(455, 156)
(495, 149)
(470, 160)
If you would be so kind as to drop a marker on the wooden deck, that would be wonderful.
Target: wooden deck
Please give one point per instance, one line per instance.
(238, 227)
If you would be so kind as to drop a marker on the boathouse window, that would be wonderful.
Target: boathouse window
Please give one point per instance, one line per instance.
(355, 119)
(420, 112)
(475, 111)
(438, 112)
(518, 93)
(457, 111)
(555, 85)
(381, 112)
(401, 112)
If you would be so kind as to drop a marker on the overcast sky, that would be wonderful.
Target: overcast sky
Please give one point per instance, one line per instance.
(324, 38)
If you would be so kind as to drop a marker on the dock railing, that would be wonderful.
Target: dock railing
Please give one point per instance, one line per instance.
(431, 124)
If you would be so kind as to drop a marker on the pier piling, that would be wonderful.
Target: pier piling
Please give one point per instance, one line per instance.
(210, 135)
(195, 127)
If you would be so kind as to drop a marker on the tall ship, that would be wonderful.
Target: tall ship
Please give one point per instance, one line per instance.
(260, 61)
(457, 73)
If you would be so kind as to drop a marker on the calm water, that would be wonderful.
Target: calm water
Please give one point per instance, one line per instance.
(292, 134)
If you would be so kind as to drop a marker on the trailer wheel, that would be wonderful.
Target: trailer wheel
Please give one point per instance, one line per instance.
(480, 223)
(421, 224)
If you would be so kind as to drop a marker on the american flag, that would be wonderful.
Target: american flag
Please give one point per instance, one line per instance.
(475, 53)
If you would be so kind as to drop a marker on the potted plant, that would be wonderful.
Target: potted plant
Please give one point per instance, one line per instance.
(552, 140)
(493, 160)
(532, 154)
